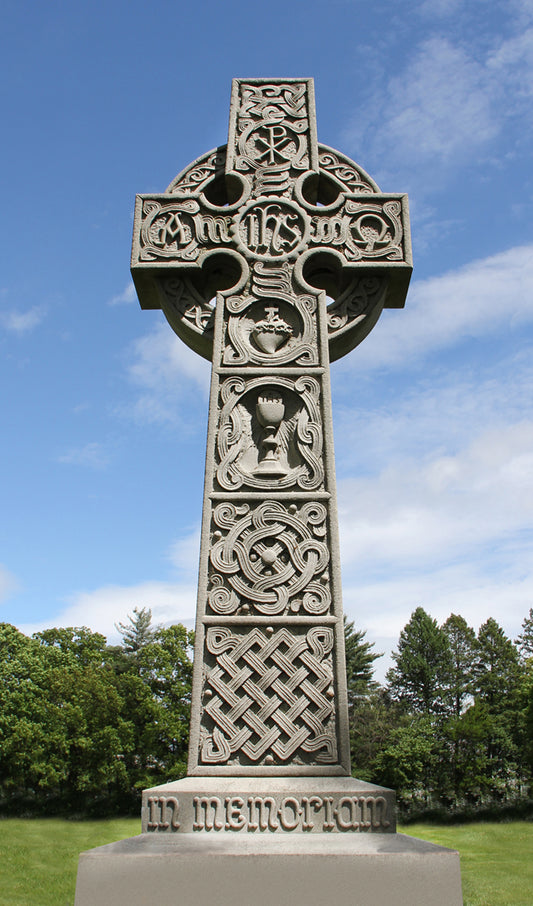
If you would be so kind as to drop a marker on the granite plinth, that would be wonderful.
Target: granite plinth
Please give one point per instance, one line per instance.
(273, 870)
(260, 805)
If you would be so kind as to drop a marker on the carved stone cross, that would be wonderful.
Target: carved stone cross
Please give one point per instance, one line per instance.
(241, 253)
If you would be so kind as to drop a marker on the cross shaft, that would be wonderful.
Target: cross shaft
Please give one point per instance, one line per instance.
(267, 227)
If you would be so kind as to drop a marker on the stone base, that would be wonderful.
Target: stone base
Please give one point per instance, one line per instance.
(275, 870)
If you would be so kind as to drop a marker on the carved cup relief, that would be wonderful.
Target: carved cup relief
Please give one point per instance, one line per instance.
(270, 410)
(270, 435)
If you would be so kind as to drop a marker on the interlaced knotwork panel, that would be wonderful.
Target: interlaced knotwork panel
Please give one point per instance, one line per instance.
(268, 697)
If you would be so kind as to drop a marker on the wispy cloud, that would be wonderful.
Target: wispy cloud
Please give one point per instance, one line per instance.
(449, 508)
(8, 583)
(451, 99)
(92, 455)
(429, 419)
(382, 607)
(510, 62)
(439, 107)
(184, 553)
(452, 533)
(126, 297)
(475, 301)
(439, 8)
(168, 374)
(23, 321)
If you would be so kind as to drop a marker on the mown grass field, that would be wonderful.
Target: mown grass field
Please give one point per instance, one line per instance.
(496, 859)
(39, 858)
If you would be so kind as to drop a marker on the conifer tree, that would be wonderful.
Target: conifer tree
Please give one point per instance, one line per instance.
(138, 632)
(496, 666)
(462, 641)
(359, 662)
(525, 639)
(423, 660)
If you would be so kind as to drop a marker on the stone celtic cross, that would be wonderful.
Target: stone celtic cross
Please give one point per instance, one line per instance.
(270, 256)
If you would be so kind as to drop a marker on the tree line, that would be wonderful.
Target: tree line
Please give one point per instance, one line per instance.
(86, 726)
(452, 728)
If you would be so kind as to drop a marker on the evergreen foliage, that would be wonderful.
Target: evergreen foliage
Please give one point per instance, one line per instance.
(453, 727)
(138, 632)
(422, 660)
(359, 663)
(525, 639)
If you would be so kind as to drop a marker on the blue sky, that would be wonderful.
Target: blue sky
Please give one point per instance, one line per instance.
(104, 409)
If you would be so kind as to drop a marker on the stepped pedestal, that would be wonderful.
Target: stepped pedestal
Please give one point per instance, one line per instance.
(264, 842)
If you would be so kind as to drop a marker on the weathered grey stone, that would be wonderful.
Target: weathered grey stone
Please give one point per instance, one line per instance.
(267, 228)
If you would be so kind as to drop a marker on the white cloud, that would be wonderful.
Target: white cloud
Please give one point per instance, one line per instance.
(383, 607)
(440, 511)
(92, 455)
(451, 508)
(484, 296)
(450, 531)
(511, 61)
(167, 372)
(439, 8)
(101, 608)
(127, 296)
(184, 553)
(439, 413)
(439, 107)
(450, 100)
(22, 322)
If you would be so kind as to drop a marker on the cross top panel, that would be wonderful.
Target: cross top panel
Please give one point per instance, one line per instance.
(273, 195)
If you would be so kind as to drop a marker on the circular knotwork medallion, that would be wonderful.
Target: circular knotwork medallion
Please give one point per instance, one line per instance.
(270, 557)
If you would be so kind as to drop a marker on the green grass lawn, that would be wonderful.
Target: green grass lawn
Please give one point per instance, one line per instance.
(39, 858)
(496, 859)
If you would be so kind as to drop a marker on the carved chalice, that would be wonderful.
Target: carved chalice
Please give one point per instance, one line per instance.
(270, 410)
